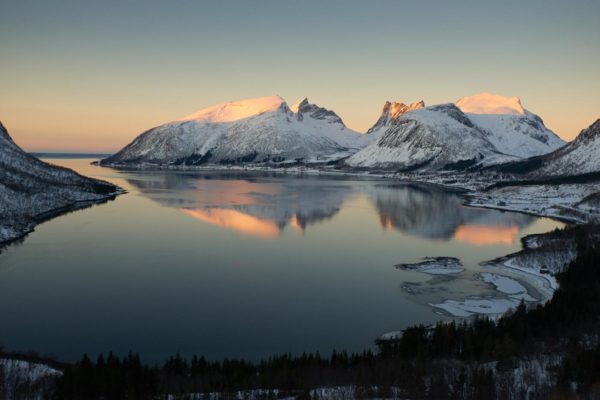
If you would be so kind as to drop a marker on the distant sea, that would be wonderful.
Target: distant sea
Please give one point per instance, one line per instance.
(70, 155)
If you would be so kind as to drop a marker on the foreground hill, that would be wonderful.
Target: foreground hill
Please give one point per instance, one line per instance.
(32, 190)
(262, 130)
(477, 131)
(581, 156)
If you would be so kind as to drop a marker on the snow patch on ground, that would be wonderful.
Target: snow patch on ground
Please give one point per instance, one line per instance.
(472, 306)
(507, 286)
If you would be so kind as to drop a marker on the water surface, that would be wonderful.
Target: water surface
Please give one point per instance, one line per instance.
(242, 264)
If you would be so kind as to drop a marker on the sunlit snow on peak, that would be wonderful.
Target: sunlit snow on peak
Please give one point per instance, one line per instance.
(236, 110)
(489, 103)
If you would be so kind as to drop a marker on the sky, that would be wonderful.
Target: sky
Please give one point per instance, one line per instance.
(90, 76)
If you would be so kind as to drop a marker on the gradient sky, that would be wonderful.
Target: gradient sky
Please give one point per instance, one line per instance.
(90, 76)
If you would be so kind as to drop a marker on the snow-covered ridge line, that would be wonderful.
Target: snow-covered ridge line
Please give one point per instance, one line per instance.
(253, 131)
(490, 129)
(476, 132)
(32, 191)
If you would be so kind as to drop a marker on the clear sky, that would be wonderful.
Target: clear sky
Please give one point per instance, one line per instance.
(90, 76)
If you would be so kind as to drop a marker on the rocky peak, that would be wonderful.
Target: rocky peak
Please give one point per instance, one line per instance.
(304, 108)
(393, 111)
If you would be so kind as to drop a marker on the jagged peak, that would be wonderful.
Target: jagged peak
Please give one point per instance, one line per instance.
(305, 107)
(299, 104)
(489, 103)
(392, 111)
(236, 110)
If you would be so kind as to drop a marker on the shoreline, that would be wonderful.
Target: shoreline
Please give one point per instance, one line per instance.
(32, 222)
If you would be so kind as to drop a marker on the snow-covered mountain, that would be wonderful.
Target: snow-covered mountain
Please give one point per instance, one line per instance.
(32, 190)
(581, 156)
(479, 130)
(262, 130)
(390, 113)
(509, 127)
(432, 138)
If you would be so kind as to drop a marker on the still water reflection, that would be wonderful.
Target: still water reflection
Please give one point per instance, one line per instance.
(242, 265)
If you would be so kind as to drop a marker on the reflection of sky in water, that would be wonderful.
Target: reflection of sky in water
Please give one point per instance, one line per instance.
(482, 235)
(182, 263)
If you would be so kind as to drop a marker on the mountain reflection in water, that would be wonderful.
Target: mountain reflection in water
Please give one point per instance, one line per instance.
(264, 206)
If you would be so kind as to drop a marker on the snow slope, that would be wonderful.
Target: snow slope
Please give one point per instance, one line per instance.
(431, 138)
(480, 130)
(581, 156)
(30, 188)
(21, 379)
(262, 130)
(508, 126)
(488, 103)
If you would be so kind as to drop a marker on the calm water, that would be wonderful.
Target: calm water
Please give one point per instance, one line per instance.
(242, 265)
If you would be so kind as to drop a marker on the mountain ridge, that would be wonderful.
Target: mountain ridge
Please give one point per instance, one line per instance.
(260, 130)
(496, 129)
(444, 137)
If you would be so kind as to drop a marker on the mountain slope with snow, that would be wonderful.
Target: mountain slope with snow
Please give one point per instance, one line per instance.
(30, 188)
(510, 128)
(262, 130)
(479, 130)
(581, 156)
(431, 138)
(390, 113)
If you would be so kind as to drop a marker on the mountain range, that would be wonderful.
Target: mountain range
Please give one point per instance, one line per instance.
(476, 131)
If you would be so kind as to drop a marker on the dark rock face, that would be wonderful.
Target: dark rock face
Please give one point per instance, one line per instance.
(316, 112)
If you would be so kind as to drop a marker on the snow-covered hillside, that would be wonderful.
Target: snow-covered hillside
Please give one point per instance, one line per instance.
(431, 138)
(509, 127)
(30, 188)
(20, 379)
(262, 130)
(581, 156)
(479, 130)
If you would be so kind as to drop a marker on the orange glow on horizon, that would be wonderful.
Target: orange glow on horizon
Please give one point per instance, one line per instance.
(483, 235)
